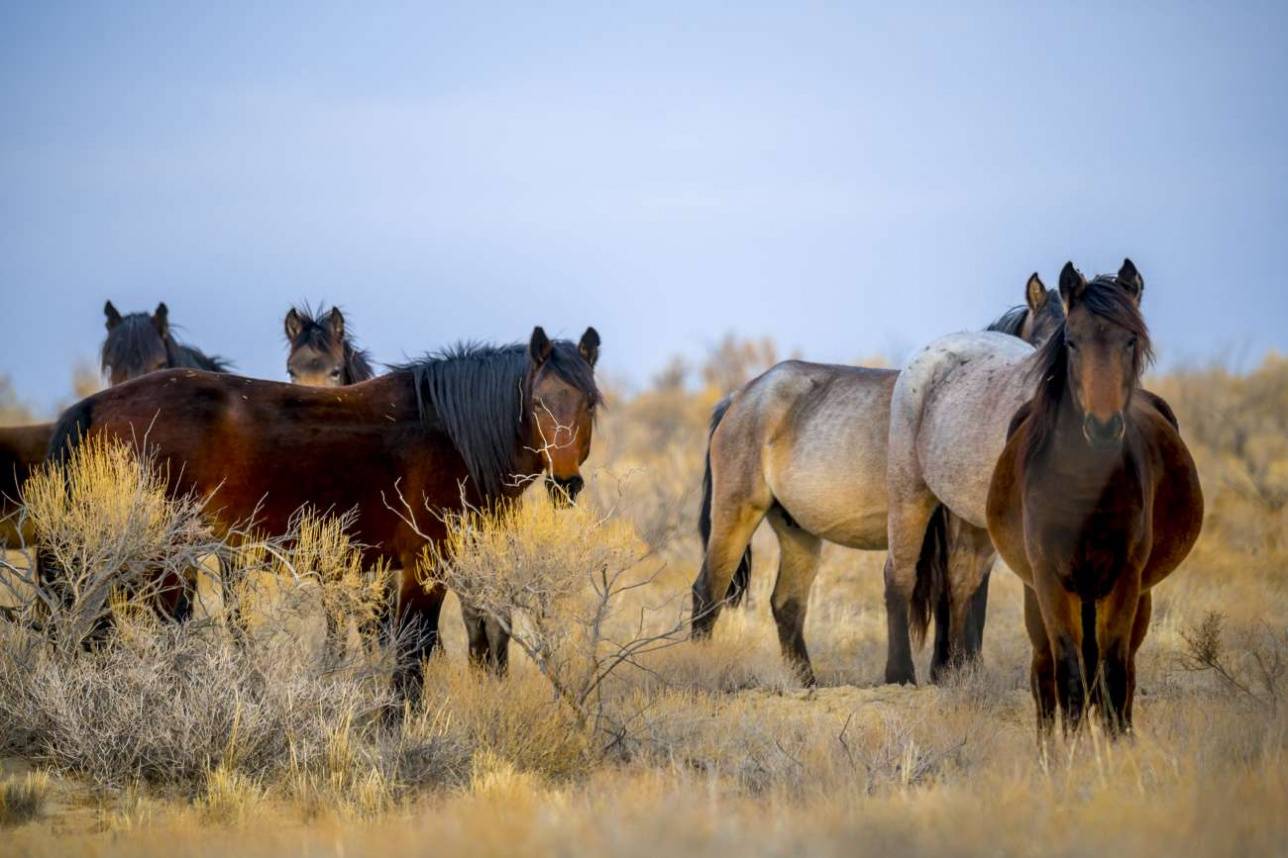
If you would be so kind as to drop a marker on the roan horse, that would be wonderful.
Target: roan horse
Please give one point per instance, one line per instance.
(469, 425)
(322, 353)
(136, 344)
(1094, 500)
(804, 445)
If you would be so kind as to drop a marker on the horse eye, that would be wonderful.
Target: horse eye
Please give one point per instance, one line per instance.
(1131, 343)
(335, 373)
(1073, 346)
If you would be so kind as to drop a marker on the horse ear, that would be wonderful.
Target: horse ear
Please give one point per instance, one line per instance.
(293, 324)
(336, 321)
(539, 347)
(1071, 284)
(161, 318)
(1129, 278)
(113, 315)
(1035, 292)
(589, 346)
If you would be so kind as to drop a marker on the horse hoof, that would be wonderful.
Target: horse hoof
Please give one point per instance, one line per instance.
(897, 676)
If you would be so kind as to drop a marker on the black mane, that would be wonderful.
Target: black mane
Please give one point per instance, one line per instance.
(357, 362)
(1011, 322)
(130, 342)
(481, 395)
(1108, 298)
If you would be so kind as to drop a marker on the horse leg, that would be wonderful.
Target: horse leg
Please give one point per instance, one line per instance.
(1144, 608)
(910, 513)
(797, 566)
(1117, 632)
(1062, 617)
(417, 631)
(489, 643)
(978, 612)
(500, 641)
(1042, 668)
(943, 620)
(970, 555)
(732, 525)
(173, 600)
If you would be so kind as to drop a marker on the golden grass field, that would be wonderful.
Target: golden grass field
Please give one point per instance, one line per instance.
(182, 742)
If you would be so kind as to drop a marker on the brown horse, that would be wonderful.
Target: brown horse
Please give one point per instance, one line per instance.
(22, 448)
(136, 344)
(1094, 501)
(322, 353)
(470, 425)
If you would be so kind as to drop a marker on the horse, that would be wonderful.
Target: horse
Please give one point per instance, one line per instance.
(136, 344)
(471, 425)
(22, 449)
(1095, 500)
(322, 352)
(804, 446)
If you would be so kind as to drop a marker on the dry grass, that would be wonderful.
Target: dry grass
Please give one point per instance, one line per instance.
(189, 741)
(21, 799)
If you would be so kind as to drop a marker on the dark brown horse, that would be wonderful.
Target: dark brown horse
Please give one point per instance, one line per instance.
(470, 425)
(22, 448)
(1094, 500)
(136, 344)
(322, 353)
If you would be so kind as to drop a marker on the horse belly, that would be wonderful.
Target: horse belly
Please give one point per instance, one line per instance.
(834, 486)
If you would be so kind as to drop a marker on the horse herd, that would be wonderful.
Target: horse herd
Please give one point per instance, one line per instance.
(1033, 440)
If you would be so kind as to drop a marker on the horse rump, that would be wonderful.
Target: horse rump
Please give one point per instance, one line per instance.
(741, 580)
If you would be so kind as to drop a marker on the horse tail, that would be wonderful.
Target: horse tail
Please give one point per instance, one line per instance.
(932, 575)
(1090, 650)
(742, 575)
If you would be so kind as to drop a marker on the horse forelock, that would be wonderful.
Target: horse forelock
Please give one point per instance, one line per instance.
(316, 333)
(132, 341)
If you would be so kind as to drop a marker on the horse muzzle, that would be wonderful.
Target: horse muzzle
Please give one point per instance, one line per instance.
(1103, 434)
(564, 490)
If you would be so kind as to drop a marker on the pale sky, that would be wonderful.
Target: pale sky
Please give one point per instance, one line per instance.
(848, 179)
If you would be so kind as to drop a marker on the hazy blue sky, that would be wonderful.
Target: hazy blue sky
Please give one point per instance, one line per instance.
(849, 179)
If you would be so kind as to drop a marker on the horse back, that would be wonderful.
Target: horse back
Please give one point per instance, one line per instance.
(813, 436)
(263, 449)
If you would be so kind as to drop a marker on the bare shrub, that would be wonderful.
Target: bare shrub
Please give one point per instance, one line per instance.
(106, 530)
(555, 580)
(1255, 667)
(189, 705)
